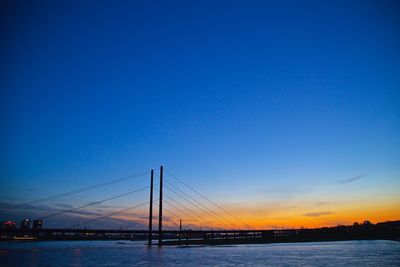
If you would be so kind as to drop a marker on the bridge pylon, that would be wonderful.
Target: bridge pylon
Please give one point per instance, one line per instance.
(150, 238)
(160, 201)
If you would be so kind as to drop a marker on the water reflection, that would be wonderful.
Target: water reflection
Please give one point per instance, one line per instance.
(111, 253)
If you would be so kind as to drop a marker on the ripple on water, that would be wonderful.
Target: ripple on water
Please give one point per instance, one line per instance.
(111, 253)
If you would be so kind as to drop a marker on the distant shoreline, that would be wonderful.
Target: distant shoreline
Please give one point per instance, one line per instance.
(357, 231)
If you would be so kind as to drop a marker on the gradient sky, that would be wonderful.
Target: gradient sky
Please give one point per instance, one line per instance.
(287, 113)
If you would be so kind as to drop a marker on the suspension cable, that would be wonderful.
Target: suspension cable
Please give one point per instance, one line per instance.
(194, 204)
(201, 204)
(212, 202)
(92, 203)
(176, 216)
(183, 212)
(191, 211)
(110, 214)
(182, 206)
(87, 188)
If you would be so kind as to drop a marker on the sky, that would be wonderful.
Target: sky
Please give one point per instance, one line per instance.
(285, 113)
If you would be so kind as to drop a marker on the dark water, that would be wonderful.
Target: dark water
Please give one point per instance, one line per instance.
(112, 253)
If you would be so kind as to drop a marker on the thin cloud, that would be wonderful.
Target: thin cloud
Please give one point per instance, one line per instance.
(64, 206)
(321, 203)
(23, 207)
(352, 179)
(318, 213)
(287, 191)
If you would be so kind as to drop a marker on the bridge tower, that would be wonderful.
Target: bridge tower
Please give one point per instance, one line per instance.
(150, 237)
(160, 208)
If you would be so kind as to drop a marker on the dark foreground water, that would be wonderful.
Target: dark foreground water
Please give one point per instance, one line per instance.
(113, 253)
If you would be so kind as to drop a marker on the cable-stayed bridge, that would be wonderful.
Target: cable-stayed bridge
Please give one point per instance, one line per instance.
(177, 214)
(176, 210)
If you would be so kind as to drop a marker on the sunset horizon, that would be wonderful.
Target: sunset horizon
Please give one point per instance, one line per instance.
(261, 133)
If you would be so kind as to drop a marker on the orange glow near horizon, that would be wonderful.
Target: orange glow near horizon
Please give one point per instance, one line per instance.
(264, 218)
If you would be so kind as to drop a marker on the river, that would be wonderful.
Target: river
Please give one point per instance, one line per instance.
(129, 253)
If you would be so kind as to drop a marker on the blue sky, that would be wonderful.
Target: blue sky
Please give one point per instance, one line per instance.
(250, 95)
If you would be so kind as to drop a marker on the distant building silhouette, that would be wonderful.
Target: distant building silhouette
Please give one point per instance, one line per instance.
(37, 224)
(8, 225)
(25, 224)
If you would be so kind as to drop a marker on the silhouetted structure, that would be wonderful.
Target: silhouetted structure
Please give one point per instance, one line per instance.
(160, 210)
(357, 231)
(149, 243)
(8, 225)
(25, 224)
(37, 224)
